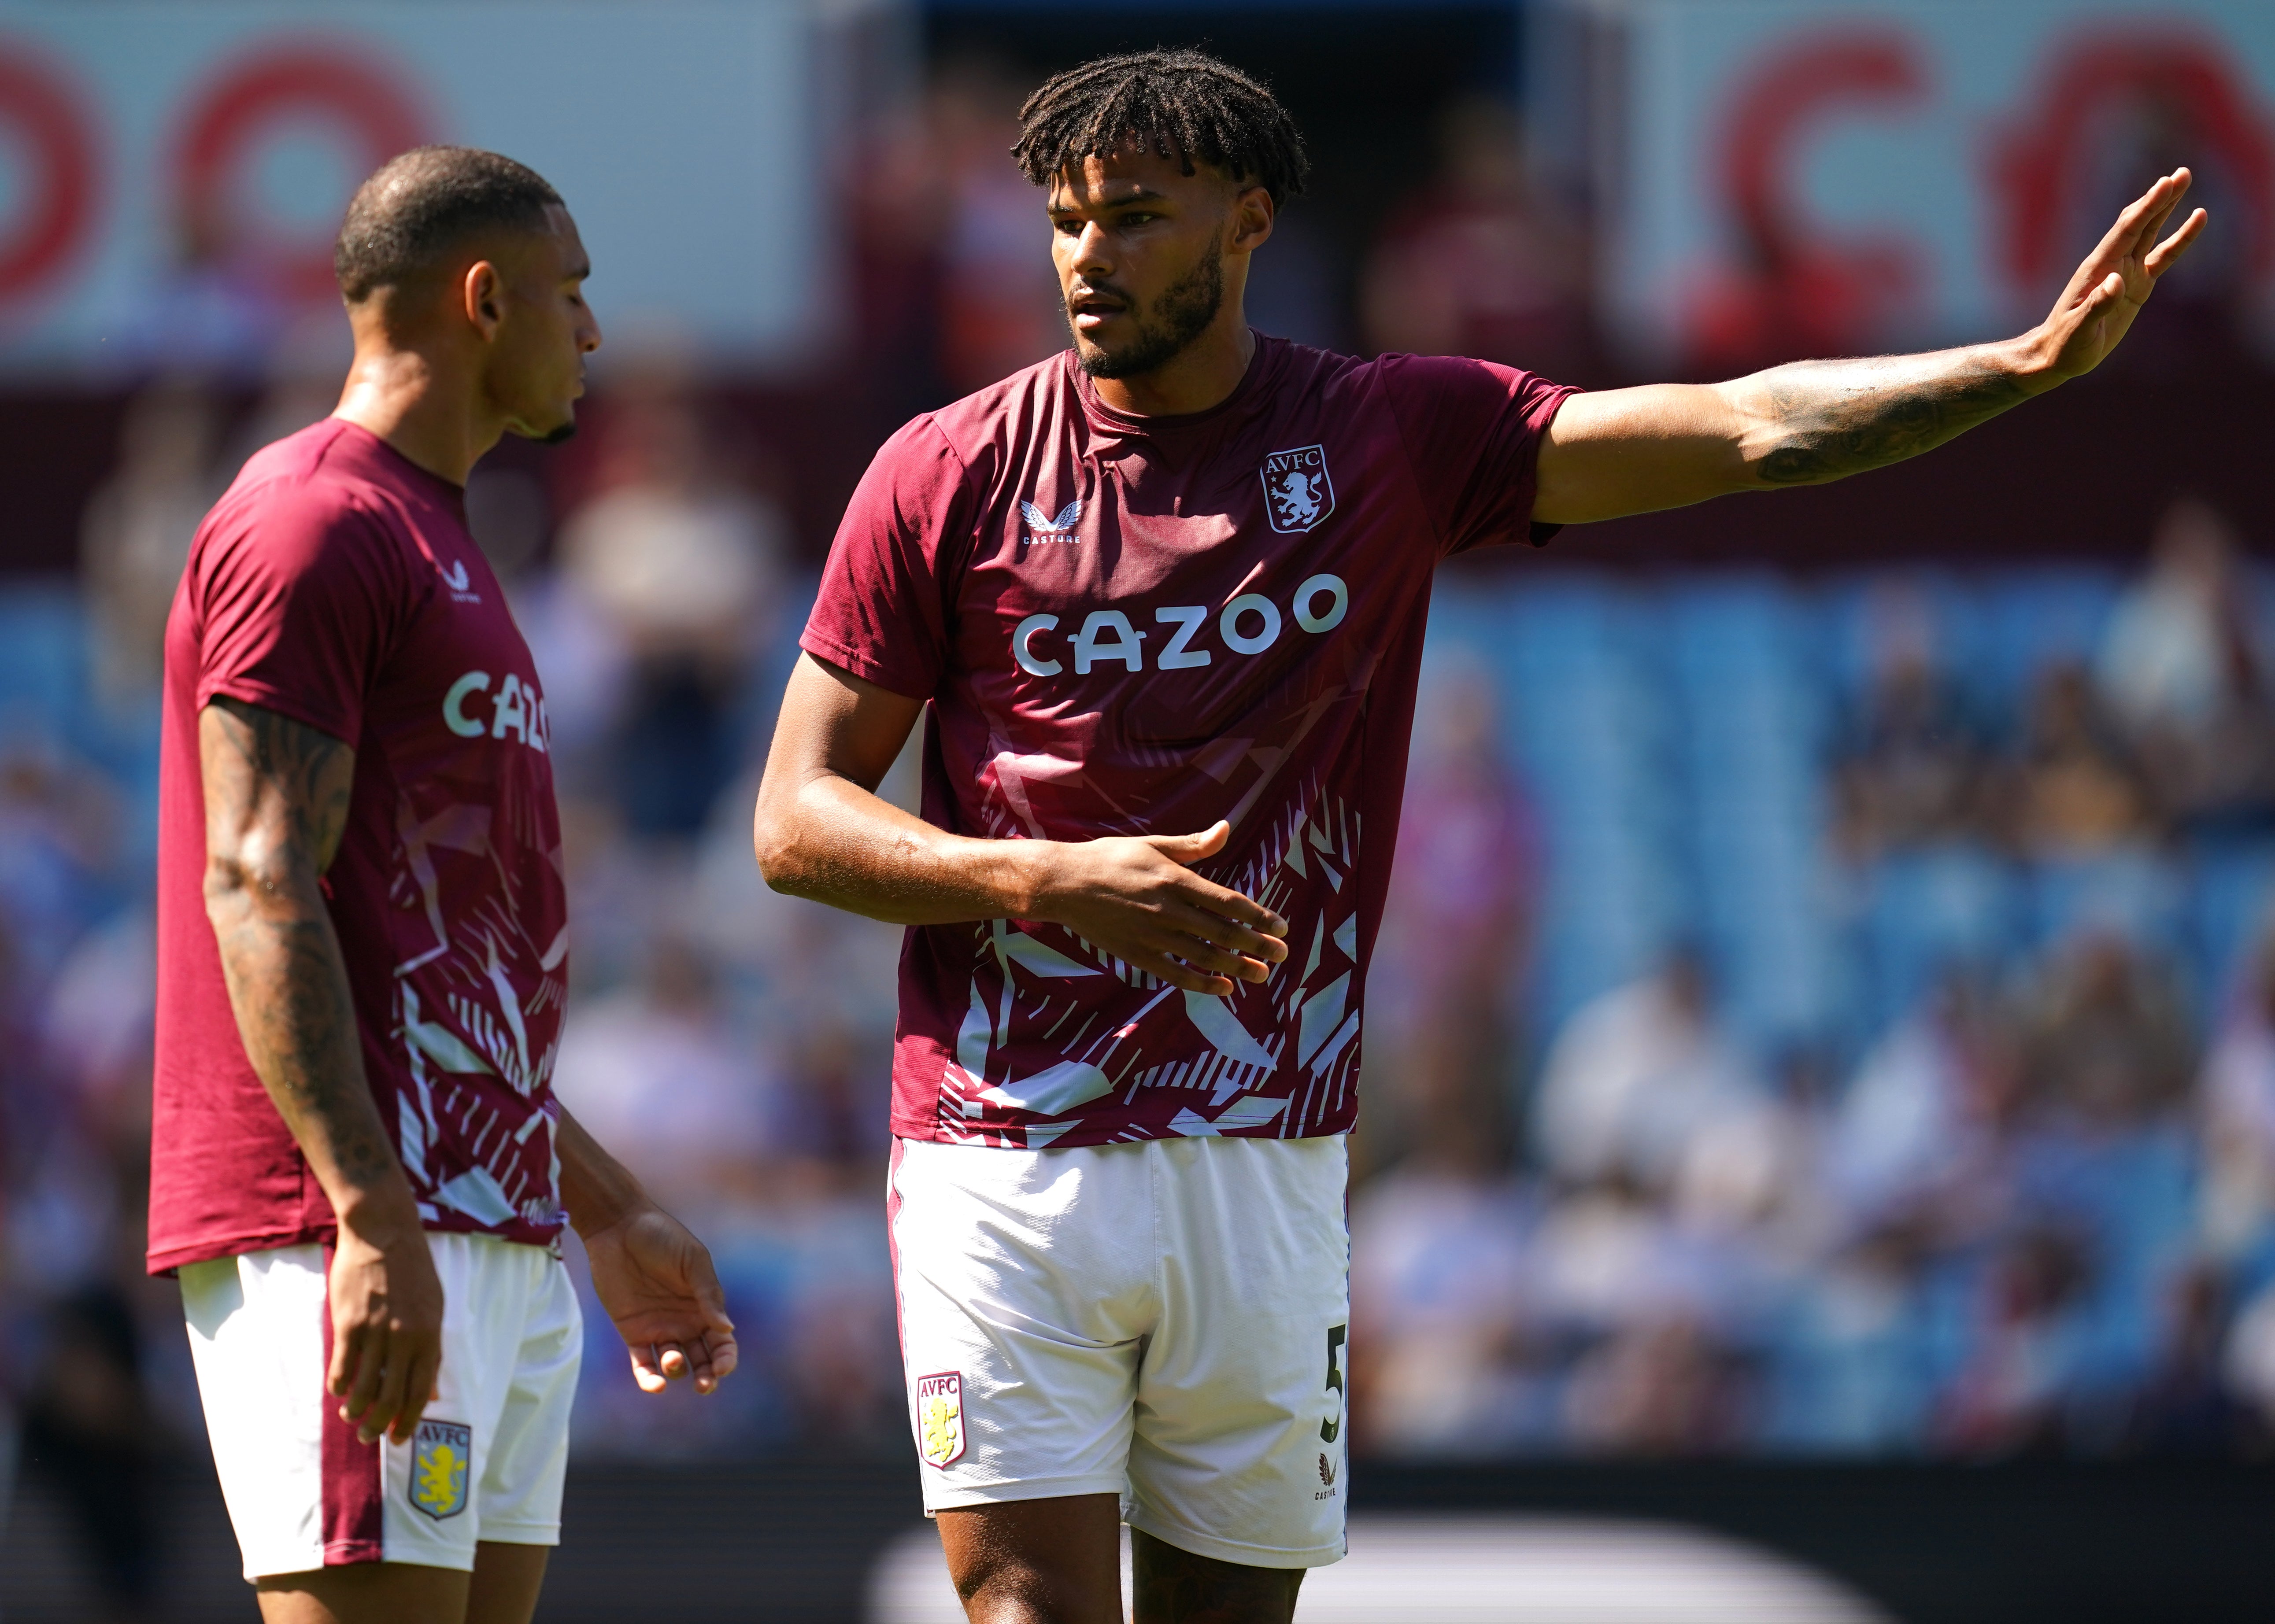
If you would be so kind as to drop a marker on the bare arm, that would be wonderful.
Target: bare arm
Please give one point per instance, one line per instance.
(821, 832)
(276, 800)
(655, 1278)
(1638, 450)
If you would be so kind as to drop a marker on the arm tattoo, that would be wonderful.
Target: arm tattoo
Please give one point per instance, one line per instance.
(1840, 417)
(276, 799)
(1176, 1587)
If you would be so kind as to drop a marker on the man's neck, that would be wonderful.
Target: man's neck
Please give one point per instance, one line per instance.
(1203, 374)
(415, 405)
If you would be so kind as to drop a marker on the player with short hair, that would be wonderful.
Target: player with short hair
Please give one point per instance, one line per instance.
(1164, 595)
(358, 1167)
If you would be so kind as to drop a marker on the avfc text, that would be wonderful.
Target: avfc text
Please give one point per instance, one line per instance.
(1249, 624)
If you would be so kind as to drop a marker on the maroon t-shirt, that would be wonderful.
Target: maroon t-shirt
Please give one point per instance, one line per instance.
(1140, 625)
(335, 583)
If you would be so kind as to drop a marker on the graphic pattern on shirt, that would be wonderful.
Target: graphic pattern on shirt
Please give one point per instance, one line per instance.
(484, 1030)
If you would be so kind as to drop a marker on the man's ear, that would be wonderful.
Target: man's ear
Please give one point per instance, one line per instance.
(1252, 215)
(482, 292)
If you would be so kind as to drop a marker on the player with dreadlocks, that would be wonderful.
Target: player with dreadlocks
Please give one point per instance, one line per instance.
(1165, 595)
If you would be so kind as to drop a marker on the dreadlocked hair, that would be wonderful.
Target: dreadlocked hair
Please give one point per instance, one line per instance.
(1181, 104)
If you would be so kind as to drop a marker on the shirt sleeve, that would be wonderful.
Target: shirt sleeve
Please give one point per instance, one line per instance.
(300, 596)
(884, 612)
(1472, 432)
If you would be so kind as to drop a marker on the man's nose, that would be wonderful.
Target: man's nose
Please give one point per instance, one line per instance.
(1090, 255)
(589, 340)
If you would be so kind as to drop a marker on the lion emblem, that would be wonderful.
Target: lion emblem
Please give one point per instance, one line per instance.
(1298, 493)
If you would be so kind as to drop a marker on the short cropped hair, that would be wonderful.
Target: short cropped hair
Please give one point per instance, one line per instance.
(1183, 105)
(405, 220)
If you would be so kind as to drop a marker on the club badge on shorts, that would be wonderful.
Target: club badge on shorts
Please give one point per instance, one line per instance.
(940, 1417)
(440, 1453)
(1298, 495)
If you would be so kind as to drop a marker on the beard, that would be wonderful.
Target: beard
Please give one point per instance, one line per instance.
(1179, 315)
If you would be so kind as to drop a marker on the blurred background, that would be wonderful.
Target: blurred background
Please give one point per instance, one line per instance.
(1852, 907)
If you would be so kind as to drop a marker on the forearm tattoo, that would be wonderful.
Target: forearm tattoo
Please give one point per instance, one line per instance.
(1176, 1587)
(1839, 418)
(276, 800)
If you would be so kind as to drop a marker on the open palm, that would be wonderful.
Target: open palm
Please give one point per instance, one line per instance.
(2096, 309)
(658, 1285)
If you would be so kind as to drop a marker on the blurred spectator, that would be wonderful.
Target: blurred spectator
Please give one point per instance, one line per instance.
(2008, 1397)
(87, 1429)
(2076, 790)
(1919, 1142)
(680, 565)
(2182, 667)
(2237, 1102)
(1479, 262)
(1909, 771)
(1662, 1386)
(999, 295)
(2185, 1407)
(135, 534)
(1454, 945)
(659, 1074)
(1437, 1287)
(58, 837)
(2106, 1045)
(1635, 1076)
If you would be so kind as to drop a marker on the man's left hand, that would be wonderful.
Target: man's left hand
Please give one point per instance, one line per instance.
(657, 1283)
(2098, 305)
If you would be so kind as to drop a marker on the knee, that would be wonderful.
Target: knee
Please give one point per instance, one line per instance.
(1003, 1587)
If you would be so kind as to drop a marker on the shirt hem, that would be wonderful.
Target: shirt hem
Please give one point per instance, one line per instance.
(988, 1136)
(166, 1260)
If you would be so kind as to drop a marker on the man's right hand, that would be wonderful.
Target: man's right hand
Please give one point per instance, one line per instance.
(387, 1326)
(1135, 897)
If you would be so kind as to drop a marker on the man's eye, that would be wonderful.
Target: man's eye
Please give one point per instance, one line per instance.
(1140, 217)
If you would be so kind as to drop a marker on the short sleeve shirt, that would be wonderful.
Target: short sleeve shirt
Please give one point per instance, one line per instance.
(1133, 625)
(336, 585)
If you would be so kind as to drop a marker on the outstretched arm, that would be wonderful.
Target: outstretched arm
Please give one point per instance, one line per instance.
(1620, 451)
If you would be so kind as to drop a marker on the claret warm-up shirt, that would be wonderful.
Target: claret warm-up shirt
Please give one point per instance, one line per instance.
(335, 583)
(1139, 625)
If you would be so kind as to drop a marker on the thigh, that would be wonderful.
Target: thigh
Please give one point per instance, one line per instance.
(432, 1510)
(1179, 1587)
(502, 1590)
(1239, 1447)
(506, 1583)
(1037, 1561)
(366, 1593)
(1024, 1294)
(302, 1493)
(519, 1497)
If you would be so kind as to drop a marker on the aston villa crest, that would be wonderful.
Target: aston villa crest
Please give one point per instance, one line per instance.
(940, 1418)
(1297, 494)
(442, 1452)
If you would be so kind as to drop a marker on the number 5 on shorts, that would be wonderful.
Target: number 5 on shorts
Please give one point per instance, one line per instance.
(1330, 1430)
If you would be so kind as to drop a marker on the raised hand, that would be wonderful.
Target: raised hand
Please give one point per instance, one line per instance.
(2097, 308)
(1136, 897)
(658, 1285)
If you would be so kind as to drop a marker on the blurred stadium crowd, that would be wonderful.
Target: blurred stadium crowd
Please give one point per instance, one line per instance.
(1824, 1014)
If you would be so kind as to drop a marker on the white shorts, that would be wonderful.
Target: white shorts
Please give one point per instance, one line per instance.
(486, 1460)
(1163, 1321)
